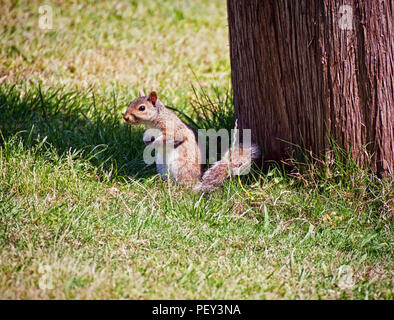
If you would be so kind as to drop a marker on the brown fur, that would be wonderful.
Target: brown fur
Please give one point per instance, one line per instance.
(174, 130)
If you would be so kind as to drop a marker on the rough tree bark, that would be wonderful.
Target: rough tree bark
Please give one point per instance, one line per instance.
(303, 71)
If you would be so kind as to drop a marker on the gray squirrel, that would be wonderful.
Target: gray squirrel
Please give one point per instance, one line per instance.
(177, 152)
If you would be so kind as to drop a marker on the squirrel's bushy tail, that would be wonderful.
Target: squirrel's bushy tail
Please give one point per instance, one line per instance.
(234, 163)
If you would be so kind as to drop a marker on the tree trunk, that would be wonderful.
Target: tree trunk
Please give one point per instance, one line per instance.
(304, 71)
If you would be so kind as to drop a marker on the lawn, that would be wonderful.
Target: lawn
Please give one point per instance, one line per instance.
(82, 217)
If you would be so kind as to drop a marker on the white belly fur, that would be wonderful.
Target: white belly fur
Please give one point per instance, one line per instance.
(166, 161)
(166, 158)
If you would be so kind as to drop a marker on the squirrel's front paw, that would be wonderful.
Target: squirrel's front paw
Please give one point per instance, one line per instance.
(148, 140)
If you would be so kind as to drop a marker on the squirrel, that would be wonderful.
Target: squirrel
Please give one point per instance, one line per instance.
(177, 151)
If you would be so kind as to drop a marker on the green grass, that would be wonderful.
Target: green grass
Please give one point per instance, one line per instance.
(121, 45)
(80, 212)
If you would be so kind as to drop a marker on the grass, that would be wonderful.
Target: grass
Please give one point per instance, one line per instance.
(117, 45)
(81, 217)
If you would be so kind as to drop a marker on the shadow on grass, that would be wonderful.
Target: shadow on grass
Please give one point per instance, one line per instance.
(92, 127)
(76, 122)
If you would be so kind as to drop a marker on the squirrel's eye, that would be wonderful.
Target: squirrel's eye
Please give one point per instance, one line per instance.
(141, 108)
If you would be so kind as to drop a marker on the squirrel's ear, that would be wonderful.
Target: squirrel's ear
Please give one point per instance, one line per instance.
(141, 93)
(153, 97)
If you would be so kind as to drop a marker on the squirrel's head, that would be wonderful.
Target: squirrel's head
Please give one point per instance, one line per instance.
(143, 110)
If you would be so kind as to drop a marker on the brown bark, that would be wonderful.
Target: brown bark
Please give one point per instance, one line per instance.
(300, 76)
